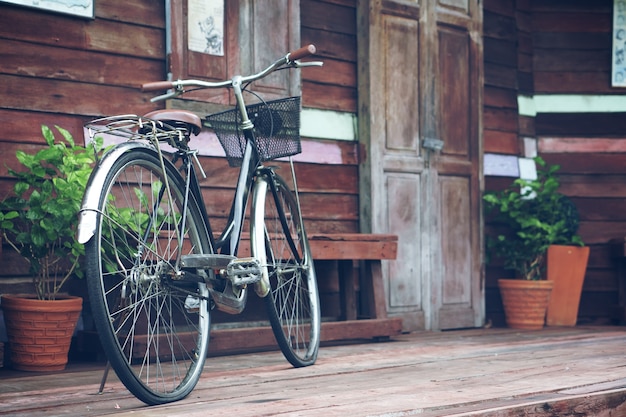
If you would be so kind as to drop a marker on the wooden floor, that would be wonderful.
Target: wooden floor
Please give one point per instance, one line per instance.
(487, 372)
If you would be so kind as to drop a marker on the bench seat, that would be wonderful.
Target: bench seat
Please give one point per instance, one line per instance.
(345, 250)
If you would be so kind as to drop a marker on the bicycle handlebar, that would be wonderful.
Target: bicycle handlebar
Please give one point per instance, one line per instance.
(290, 59)
(157, 86)
(302, 52)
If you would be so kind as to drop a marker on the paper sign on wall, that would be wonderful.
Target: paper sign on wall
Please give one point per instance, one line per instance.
(82, 8)
(618, 74)
(205, 26)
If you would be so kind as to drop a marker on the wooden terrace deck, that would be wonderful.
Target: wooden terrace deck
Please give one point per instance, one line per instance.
(483, 372)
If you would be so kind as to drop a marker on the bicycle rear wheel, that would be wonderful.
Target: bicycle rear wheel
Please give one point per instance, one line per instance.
(283, 251)
(153, 328)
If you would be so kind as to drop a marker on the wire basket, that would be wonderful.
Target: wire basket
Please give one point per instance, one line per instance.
(276, 130)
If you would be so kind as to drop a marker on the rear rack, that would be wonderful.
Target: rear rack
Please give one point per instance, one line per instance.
(133, 127)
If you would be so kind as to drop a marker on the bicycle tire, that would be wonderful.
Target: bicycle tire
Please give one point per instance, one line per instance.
(155, 332)
(293, 301)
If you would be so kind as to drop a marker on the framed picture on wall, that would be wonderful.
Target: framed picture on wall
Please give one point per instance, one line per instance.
(618, 72)
(81, 8)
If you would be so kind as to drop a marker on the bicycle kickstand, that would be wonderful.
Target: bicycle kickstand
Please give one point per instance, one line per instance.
(105, 375)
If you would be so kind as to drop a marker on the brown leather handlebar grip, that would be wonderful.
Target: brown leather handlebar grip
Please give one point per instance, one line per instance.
(157, 86)
(302, 52)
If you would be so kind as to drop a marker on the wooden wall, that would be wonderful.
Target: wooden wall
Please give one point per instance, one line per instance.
(61, 70)
(500, 120)
(331, 26)
(548, 48)
(572, 50)
(56, 69)
(500, 115)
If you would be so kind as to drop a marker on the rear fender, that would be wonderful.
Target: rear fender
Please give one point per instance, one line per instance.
(87, 217)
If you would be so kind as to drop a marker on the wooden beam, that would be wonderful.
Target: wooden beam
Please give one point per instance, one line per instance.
(225, 341)
(355, 246)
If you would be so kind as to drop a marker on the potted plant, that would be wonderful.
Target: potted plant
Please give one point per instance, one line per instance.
(39, 221)
(533, 216)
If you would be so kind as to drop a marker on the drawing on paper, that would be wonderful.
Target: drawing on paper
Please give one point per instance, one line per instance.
(205, 27)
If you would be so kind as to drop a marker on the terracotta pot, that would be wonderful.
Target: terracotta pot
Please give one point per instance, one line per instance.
(40, 332)
(525, 302)
(566, 267)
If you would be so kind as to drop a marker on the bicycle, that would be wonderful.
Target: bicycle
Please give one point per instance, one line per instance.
(153, 265)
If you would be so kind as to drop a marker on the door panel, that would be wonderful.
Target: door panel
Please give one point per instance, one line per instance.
(401, 63)
(458, 4)
(403, 194)
(455, 233)
(272, 38)
(455, 104)
(421, 71)
(458, 170)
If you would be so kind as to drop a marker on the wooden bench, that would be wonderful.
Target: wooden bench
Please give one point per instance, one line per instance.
(344, 250)
(368, 248)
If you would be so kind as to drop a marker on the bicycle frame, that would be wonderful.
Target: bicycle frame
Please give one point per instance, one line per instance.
(155, 269)
(228, 241)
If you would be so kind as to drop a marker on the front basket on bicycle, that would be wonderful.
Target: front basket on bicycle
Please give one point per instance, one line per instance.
(276, 129)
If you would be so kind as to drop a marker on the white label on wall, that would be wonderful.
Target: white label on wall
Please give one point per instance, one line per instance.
(501, 165)
(205, 26)
(527, 169)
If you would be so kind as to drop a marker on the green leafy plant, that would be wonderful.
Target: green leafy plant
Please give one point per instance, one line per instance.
(130, 225)
(533, 215)
(40, 219)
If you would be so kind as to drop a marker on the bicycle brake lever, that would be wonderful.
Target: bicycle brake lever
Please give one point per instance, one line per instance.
(300, 64)
(166, 96)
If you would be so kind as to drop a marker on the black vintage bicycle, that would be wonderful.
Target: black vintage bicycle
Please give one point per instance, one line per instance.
(154, 267)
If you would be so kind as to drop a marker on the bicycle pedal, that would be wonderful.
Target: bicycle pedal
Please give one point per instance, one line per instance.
(244, 271)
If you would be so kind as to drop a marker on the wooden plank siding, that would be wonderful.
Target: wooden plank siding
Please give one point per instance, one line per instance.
(563, 47)
(60, 70)
(500, 117)
(572, 55)
(331, 26)
(572, 47)
(500, 124)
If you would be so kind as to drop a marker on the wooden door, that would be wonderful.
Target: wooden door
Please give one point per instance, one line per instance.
(420, 110)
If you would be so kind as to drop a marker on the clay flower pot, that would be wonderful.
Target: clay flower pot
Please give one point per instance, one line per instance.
(566, 266)
(525, 302)
(40, 331)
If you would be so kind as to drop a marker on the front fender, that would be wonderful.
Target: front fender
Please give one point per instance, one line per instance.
(88, 214)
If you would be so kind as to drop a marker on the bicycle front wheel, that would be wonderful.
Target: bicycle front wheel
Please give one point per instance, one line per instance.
(153, 326)
(280, 244)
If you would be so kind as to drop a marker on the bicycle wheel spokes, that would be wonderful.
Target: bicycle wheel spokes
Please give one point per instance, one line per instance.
(153, 326)
(293, 307)
(293, 302)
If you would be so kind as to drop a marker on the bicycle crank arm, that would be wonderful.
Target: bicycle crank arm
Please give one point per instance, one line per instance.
(208, 261)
